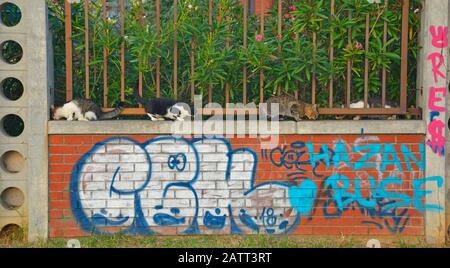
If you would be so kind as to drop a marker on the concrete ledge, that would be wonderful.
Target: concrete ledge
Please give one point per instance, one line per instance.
(122, 127)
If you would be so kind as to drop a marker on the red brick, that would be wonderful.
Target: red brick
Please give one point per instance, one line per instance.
(72, 158)
(66, 196)
(383, 139)
(55, 214)
(410, 138)
(55, 159)
(355, 230)
(59, 204)
(60, 168)
(78, 139)
(59, 177)
(55, 139)
(323, 139)
(415, 148)
(74, 232)
(378, 231)
(303, 230)
(414, 231)
(99, 138)
(54, 186)
(246, 140)
(56, 195)
(55, 232)
(416, 221)
(67, 213)
(62, 223)
(266, 5)
(83, 149)
(63, 149)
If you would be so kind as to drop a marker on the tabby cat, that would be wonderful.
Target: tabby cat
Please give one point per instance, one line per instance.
(83, 110)
(290, 107)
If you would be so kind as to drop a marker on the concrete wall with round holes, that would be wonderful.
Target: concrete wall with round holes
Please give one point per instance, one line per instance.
(23, 115)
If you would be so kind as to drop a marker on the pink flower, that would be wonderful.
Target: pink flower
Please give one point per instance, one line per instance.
(287, 16)
(292, 8)
(259, 38)
(359, 46)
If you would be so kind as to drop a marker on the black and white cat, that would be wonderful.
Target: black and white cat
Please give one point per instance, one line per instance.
(83, 110)
(159, 109)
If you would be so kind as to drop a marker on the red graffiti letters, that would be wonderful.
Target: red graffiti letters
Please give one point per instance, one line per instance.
(440, 36)
(434, 99)
(437, 94)
(437, 60)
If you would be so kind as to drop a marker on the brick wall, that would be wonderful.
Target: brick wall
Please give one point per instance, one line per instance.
(319, 185)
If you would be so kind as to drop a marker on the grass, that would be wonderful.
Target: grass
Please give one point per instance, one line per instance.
(211, 241)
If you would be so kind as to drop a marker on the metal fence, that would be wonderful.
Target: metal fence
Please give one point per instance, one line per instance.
(330, 110)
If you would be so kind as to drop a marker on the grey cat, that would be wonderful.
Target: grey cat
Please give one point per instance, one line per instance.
(83, 110)
(290, 107)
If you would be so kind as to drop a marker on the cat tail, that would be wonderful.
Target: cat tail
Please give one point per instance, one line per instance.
(137, 95)
(113, 113)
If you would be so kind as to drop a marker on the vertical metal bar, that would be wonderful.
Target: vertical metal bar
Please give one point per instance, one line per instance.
(383, 72)
(404, 55)
(158, 60)
(279, 34)
(122, 50)
(366, 63)
(68, 40)
(349, 70)
(331, 55)
(192, 70)
(227, 84)
(210, 21)
(175, 50)
(142, 13)
(86, 47)
(314, 85)
(261, 73)
(245, 46)
(105, 64)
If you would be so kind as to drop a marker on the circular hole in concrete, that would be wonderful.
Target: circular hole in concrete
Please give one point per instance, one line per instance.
(10, 14)
(12, 198)
(12, 88)
(12, 52)
(13, 125)
(11, 232)
(13, 161)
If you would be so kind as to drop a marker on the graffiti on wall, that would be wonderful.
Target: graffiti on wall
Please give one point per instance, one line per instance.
(378, 169)
(182, 186)
(437, 94)
(194, 186)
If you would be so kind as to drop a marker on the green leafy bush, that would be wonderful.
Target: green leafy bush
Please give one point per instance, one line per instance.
(216, 63)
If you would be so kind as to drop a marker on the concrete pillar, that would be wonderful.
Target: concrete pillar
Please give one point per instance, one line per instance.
(447, 179)
(30, 183)
(38, 109)
(433, 61)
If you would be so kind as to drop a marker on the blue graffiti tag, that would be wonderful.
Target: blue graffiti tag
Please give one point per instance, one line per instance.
(159, 185)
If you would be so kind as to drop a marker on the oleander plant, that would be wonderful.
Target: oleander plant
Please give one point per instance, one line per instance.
(289, 63)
